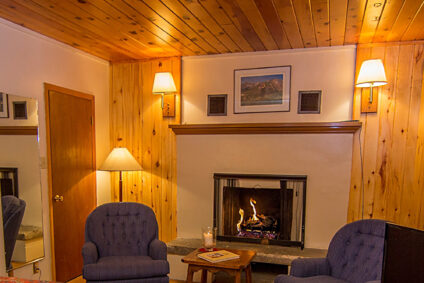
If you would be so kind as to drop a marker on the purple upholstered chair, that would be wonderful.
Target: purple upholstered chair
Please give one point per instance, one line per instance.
(355, 255)
(121, 245)
(13, 212)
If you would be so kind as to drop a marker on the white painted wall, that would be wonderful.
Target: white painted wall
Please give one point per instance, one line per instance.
(28, 60)
(324, 158)
(328, 69)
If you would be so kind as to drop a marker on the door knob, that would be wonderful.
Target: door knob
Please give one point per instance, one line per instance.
(58, 198)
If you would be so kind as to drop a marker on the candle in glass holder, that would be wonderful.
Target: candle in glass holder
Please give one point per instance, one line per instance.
(208, 240)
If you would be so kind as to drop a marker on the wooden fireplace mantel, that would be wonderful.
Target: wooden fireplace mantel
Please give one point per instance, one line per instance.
(267, 128)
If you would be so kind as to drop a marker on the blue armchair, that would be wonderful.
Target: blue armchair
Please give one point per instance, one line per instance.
(13, 212)
(121, 245)
(355, 255)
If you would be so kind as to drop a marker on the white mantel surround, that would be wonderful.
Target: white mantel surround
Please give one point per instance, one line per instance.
(324, 158)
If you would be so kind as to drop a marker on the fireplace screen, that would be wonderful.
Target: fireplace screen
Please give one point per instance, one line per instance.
(260, 208)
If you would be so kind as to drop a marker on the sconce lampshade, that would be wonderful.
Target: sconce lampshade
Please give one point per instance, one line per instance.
(163, 83)
(120, 159)
(371, 74)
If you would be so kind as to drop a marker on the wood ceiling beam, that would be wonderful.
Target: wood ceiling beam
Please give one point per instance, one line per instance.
(255, 18)
(209, 23)
(320, 14)
(338, 12)
(201, 32)
(288, 18)
(242, 22)
(217, 12)
(302, 10)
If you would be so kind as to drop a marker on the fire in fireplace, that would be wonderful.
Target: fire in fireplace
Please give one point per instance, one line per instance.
(260, 208)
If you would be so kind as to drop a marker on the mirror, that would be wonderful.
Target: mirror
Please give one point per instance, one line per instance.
(20, 182)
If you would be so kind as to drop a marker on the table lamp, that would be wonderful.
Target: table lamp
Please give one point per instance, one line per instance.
(120, 159)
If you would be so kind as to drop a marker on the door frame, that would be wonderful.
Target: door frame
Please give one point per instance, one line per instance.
(50, 87)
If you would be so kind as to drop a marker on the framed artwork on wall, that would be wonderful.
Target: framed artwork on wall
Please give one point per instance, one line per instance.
(217, 105)
(20, 110)
(309, 102)
(4, 105)
(262, 89)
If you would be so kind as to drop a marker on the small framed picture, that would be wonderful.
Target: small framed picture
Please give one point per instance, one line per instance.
(4, 105)
(20, 110)
(262, 90)
(309, 102)
(217, 105)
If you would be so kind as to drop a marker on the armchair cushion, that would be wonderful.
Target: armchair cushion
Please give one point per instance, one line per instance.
(125, 267)
(313, 279)
(157, 249)
(89, 253)
(306, 267)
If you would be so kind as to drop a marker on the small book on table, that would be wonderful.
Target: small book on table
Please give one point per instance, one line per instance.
(218, 256)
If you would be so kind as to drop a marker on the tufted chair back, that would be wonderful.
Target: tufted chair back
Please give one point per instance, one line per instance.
(13, 212)
(121, 229)
(355, 253)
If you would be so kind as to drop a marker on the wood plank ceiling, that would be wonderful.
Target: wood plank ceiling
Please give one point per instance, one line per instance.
(119, 30)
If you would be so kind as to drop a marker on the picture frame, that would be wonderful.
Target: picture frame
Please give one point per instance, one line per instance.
(217, 105)
(264, 89)
(20, 111)
(4, 105)
(309, 102)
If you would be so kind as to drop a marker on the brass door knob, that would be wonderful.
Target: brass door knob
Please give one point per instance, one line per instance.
(58, 198)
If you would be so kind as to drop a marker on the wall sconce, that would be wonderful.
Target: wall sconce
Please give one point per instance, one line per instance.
(120, 159)
(164, 84)
(370, 75)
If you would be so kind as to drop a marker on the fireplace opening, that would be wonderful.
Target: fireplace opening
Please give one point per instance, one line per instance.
(260, 208)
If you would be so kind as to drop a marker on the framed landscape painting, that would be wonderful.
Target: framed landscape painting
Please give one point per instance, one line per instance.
(262, 89)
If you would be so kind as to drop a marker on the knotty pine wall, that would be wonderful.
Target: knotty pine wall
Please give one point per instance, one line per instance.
(136, 122)
(392, 140)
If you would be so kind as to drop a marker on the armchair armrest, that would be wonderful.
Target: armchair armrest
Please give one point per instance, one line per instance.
(306, 267)
(157, 249)
(89, 253)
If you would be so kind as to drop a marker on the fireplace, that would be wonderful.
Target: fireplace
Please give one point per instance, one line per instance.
(267, 209)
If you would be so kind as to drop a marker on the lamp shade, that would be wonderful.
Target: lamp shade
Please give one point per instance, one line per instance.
(120, 159)
(371, 74)
(163, 83)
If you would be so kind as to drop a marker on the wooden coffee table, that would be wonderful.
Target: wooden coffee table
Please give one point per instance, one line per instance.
(233, 267)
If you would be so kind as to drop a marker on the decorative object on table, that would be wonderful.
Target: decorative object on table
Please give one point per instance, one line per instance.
(122, 245)
(371, 75)
(164, 85)
(209, 238)
(262, 89)
(218, 256)
(355, 254)
(4, 105)
(309, 102)
(120, 159)
(217, 105)
(20, 110)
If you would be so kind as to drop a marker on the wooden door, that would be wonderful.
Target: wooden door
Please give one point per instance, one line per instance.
(71, 144)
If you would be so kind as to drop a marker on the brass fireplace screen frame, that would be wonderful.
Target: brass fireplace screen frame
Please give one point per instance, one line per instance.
(231, 179)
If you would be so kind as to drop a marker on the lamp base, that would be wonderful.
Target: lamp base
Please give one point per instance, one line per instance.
(366, 105)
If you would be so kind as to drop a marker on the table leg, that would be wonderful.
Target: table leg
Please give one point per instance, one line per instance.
(204, 276)
(238, 277)
(190, 272)
(249, 273)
